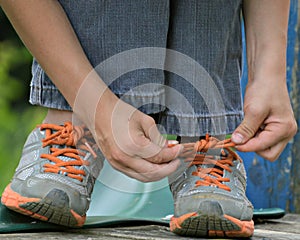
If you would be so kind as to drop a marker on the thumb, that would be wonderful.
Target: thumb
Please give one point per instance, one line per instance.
(246, 130)
(153, 134)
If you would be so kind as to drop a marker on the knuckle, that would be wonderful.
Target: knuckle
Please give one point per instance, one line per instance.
(247, 129)
(147, 177)
(263, 145)
(293, 127)
(146, 180)
(269, 156)
(254, 110)
(154, 174)
(154, 177)
(272, 158)
(118, 156)
(156, 159)
(290, 129)
(149, 120)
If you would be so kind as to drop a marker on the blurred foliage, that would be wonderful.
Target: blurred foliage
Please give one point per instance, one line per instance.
(17, 116)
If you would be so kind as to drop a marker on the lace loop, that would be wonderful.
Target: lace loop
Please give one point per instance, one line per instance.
(74, 138)
(64, 135)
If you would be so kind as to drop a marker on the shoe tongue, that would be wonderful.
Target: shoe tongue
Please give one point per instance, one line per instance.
(65, 159)
(214, 152)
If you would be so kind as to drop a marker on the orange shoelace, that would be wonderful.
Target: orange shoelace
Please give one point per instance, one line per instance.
(210, 168)
(74, 138)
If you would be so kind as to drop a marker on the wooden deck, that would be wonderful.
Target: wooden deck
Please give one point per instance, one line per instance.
(285, 228)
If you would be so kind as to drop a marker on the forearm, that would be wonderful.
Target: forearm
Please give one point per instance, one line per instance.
(268, 122)
(266, 23)
(47, 33)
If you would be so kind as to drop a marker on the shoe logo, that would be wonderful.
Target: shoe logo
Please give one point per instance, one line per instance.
(239, 205)
(31, 183)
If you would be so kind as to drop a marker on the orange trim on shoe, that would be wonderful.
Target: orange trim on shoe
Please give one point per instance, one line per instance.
(13, 200)
(247, 227)
(80, 219)
(176, 222)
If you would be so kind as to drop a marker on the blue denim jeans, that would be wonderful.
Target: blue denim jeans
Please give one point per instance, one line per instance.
(182, 59)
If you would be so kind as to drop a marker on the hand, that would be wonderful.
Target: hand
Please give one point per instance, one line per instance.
(131, 141)
(269, 121)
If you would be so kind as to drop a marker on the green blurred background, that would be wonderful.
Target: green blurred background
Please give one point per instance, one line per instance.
(17, 116)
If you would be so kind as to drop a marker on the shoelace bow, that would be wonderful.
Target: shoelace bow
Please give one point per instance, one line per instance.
(210, 168)
(75, 138)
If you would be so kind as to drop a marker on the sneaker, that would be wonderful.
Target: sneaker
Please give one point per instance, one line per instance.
(209, 196)
(56, 174)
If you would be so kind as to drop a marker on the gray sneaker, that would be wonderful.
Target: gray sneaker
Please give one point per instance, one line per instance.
(209, 196)
(56, 174)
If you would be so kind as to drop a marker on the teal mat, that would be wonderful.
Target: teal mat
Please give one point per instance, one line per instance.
(117, 200)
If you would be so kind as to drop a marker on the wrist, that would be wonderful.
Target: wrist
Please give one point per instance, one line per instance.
(267, 65)
(92, 95)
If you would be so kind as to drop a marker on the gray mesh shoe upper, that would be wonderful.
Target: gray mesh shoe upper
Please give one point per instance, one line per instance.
(215, 176)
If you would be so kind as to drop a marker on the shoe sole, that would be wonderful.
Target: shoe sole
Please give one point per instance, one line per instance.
(205, 225)
(54, 208)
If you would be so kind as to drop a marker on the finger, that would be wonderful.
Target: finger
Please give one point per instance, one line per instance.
(166, 154)
(155, 136)
(142, 139)
(248, 128)
(266, 144)
(262, 140)
(158, 171)
(145, 171)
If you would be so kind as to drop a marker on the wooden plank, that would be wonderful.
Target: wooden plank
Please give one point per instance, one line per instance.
(287, 228)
